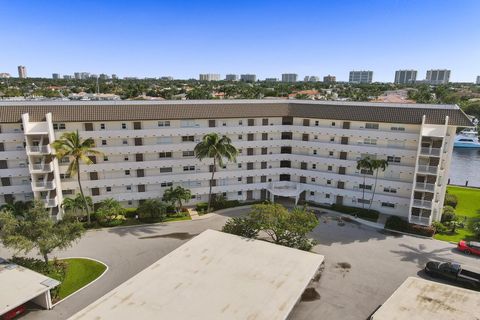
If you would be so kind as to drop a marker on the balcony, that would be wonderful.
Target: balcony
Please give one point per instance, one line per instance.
(285, 188)
(43, 185)
(425, 186)
(427, 169)
(425, 204)
(426, 221)
(41, 168)
(426, 151)
(39, 149)
(50, 203)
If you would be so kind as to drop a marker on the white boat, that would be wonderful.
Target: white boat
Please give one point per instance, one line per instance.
(467, 138)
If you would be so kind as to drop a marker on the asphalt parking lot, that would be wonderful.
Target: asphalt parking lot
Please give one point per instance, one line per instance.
(363, 265)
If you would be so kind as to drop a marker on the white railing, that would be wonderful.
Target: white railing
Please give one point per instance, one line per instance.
(425, 186)
(422, 203)
(427, 169)
(38, 149)
(430, 151)
(47, 167)
(420, 220)
(44, 185)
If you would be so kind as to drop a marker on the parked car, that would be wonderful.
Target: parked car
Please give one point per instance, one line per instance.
(14, 313)
(454, 273)
(469, 247)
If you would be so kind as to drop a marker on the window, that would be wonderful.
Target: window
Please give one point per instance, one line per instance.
(130, 202)
(124, 141)
(102, 126)
(164, 123)
(365, 186)
(332, 139)
(373, 126)
(105, 158)
(239, 193)
(314, 151)
(365, 171)
(316, 123)
(129, 188)
(364, 201)
(314, 166)
(333, 124)
(59, 126)
(327, 196)
(388, 204)
(330, 153)
(265, 121)
(315, 137)
(188, 138)
(166, 170)
(64, 192)
(165, 155)
(329, 168)
(224, 124)
(125, 158)
(397, 128)
(64, 176)
(239, 179)
(166, 184)
(124, 126)
(389, 190)
(393, 159)
(164, 140)
(104, 142)
(329, 181)
(127, 172)
(109, 189)
(188, 168)
(240, 137)
(312, 179)
(370, 141)
(312, 193)
(188, 153)
(239, 166)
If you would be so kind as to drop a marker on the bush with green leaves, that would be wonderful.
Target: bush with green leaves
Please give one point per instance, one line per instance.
(110, 213)
(475, 227)
(448, 214)
(450, 200)
(152, 210)
(241, 226)
(201, 207)
(439, 227)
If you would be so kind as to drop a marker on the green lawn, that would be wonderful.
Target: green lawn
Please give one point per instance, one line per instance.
(469, 206)
(80, 272)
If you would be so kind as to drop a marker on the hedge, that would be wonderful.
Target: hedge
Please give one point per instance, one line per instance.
(398, 224)
(370, 215)
(450, 200)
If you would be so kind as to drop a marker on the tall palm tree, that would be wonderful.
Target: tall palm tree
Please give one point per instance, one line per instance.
(176, 196)
(364, 164)
(74, 205)
(71, 145)
(218, 148)
(376, 166)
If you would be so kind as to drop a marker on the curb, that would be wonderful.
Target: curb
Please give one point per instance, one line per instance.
(88, 284)
(359, 220)
(409, 234)
(136, 225)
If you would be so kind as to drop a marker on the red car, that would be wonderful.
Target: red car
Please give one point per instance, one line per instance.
(469, 247)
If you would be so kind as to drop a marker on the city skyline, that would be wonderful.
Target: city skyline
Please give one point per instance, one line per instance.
(228, 46)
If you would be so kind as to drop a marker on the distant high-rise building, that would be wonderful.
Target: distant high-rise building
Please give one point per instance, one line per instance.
(4, 75)
(231, 77)
(360, 76)
(438, 76)
(22, 72)
(248, 77)
(329, 79)
(67, 77)
(209, 77)
(81, 75)
(405, 76)
(166, 78)
(311, 79)
(289, 77)
(55, 76)
(478, 80)
(103, 76)
(271, 79)
(114, 76)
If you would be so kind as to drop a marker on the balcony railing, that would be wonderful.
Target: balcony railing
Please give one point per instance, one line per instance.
(39, 149)
(430, 151)
(50, 203)
(48, 185)
(425, 186)
(422, 203)
(427, 169)
(46, 167)
(420, 220)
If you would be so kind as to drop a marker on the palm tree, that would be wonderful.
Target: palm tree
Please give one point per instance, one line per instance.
(17, 208)
(73, 205)
(377, 165)
(217, 147)
(364, 164)
(176, 196)
(77, 150)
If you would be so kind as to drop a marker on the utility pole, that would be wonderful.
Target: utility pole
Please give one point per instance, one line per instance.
(98, 86)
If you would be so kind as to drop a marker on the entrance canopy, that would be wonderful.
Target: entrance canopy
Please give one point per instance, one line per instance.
(285, 189)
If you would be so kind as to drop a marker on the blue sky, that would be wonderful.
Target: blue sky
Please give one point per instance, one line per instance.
(266, 37)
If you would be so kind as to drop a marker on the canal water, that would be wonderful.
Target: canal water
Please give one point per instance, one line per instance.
(465, 167)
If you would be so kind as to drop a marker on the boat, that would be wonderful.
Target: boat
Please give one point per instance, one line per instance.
(467, 138)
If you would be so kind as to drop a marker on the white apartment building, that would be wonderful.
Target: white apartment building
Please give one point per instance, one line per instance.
(405, 76)
(360, 77)
(478, 80)
(303, 150)
(248, 77)
(209, 77)
(289, 77)
(22, 72)
(231, 77)
(439, 76)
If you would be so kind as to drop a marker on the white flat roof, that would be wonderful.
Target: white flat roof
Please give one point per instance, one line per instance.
(213, 276)
(419, 299)
(19, 285)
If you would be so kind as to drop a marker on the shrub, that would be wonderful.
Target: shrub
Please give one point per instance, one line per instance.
(130, 212)
(110, 213)
(241, 226)
(439, 227)
(448, 214)
(152, 210)
(371, 215)
(450, 200)
(427, 231)
(201, 207)
(397, 223)
(475, 227)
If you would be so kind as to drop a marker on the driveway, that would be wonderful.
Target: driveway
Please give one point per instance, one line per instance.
(363, 265)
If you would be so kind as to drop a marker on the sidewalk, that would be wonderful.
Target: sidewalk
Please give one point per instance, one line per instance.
(378, 225)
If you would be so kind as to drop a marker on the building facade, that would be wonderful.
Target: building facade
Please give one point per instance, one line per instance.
(330, 79)
(360, 77)
(296, 149)
(405, 76)
(438, 76)
(55, 76)
(289, 77)
(22, 72)
(478, 80)
(248, 77)
(209, 77)
(231, 77)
